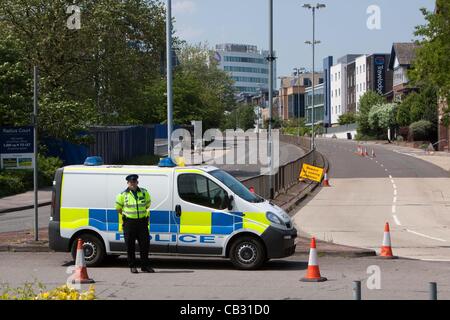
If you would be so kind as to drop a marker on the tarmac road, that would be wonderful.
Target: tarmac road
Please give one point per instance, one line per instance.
(409, 193)
(203, 279)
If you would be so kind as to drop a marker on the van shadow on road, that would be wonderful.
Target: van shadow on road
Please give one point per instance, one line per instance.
(198, 264)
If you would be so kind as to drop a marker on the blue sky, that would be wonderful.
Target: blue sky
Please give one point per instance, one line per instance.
(341, 27)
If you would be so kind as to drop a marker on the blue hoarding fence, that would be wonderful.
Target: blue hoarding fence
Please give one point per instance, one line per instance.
(115, 144)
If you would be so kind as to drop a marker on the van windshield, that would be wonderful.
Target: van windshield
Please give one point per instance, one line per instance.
(236, 186)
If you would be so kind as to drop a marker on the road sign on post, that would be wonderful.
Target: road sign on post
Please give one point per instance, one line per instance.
(16, 147)
(311, 173)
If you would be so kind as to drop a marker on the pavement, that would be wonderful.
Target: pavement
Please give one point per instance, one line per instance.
(25, 200)
(410, 193)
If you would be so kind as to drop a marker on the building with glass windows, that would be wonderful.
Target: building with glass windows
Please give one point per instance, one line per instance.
(247, 66)
(292, 94)
(319, 104)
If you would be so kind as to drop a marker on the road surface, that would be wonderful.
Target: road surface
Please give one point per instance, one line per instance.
(204, 279)
(409, 193)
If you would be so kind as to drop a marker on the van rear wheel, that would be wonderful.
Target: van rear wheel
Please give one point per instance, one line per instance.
(247, 253)
(94, 250)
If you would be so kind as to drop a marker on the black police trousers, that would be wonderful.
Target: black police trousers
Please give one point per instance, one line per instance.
(136, 229)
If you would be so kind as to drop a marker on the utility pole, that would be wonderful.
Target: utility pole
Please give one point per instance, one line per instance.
(297, 71)
(35, 150)
(313, 43)
(169, 78)
(270, 58)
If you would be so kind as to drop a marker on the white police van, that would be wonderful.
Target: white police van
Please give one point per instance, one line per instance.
(199, 210)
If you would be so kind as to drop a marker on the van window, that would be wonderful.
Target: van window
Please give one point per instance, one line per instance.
(236, 186)
(197, 189)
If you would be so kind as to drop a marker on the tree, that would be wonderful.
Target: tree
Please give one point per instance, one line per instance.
(242, 117)
(201, 90)
(404, 112)
(108, 61)
(432, 63)
(367, 101)
(15, 84)
(347, 118)
(418, 106)
(383, 117)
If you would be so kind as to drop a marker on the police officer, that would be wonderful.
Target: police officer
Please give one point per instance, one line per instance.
(133, 204)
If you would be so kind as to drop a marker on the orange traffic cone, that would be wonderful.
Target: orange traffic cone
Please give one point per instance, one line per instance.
(81, 275)
(313, 273)
(373, 153)
(326, 182)
(366, 154)
(386, 249)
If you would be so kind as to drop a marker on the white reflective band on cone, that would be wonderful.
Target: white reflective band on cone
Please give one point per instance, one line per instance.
(387, 239)
(79, 262)
(312, 257)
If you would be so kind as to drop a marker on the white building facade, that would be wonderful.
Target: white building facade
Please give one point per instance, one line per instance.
(247, 65)
(361, 78)
(337, 91)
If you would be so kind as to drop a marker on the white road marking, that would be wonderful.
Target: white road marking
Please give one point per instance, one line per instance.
(425, 236)
(395, 199)
(395, 192)
(393, 209)
(397, 222)
(381, 165)
(395, 187)
(392, 181)
(390, 177)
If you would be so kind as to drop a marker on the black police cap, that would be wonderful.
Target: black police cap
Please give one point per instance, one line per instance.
(132, 177)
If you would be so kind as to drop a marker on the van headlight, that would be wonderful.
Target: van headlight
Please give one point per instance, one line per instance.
(272, 217)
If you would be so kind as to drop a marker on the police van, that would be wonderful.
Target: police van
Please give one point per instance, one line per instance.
(199, 210)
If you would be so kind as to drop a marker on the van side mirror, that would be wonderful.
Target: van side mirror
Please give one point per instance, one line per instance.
(230, 202)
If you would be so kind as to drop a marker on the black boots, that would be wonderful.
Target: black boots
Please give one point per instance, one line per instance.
(147, 269)
(133, 270)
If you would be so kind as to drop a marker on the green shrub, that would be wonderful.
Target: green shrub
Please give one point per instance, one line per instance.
(18, 181)
(421, 130)
(347, 118)
(11, 183)
(47, 168)
(364, 137)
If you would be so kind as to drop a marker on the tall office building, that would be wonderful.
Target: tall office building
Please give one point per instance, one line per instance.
(247, 65)
(327, 63)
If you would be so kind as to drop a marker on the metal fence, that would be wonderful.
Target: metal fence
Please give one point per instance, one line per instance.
(118, 143)
(288, 174)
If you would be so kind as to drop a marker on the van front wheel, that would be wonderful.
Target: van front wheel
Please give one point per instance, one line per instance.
(247, 253)
(94, 250)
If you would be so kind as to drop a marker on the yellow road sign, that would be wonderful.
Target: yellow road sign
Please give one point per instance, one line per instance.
(311, 173)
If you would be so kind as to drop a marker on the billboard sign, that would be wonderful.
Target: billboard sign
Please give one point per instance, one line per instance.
(16, 147)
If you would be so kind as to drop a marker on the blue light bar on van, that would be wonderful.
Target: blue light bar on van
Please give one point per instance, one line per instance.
(93, 161)
(166, 163)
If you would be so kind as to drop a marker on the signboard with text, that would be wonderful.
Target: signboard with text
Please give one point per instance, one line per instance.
(16, 147)
(380, 74)
(311, 173)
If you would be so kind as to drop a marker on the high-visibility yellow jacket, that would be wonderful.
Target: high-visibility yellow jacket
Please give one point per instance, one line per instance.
(134, 207)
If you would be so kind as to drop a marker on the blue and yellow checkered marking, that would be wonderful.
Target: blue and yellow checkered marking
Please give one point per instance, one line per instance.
(217, 223)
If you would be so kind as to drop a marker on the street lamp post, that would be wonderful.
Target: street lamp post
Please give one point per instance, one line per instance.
(313, 43)
(270, 59)
(298, 71)
(169, 78)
